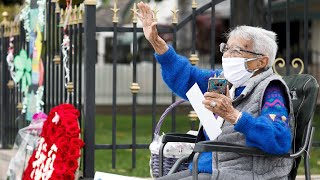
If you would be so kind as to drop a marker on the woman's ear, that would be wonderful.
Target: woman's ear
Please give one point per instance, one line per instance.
(263, 62)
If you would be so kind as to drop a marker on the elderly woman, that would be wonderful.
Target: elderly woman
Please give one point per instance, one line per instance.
(258, 113)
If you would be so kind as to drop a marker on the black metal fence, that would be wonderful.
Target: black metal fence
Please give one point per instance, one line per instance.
(11, 94)
(56, 93)
(91, 29)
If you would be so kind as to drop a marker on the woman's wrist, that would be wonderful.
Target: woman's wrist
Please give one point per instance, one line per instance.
(237, 118)
(159, 45)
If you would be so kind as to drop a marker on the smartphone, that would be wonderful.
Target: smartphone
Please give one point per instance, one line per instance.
(218, 85)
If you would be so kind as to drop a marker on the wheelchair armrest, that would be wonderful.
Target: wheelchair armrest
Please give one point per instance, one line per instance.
(215, 146)
(178, 137)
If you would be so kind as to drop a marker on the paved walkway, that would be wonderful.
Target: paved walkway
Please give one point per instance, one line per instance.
(5, 157)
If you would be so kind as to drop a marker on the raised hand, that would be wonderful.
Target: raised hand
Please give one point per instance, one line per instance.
(150, 28)
(146, 17)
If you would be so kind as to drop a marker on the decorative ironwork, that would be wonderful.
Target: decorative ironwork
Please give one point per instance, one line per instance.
(134, 13)
(115, 10)
(194, 59)
(295, 64)
(175, 15)
(135, 88)
(193, 116)
(281, 62)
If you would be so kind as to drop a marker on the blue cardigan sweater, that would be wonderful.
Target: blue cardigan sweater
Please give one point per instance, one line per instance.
(269, 133)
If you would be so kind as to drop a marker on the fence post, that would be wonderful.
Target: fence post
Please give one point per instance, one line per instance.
(1, 87)
(4, 88)
(89, 77)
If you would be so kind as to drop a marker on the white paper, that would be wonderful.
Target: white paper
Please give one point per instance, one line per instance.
(206, 117)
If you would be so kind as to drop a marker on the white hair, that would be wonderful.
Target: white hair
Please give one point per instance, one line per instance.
(264, 41)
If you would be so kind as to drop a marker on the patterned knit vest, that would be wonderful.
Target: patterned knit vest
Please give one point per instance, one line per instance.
(227, 165)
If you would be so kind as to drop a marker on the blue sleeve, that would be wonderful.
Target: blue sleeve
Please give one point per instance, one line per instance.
(180, 75)
(270, 131)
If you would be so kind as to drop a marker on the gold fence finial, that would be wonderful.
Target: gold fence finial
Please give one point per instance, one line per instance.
(57, 10)
(12, 29)
(74, 15)
(194, 4)
(115, 10)
(61, 17)
(6, 24)
(155, 12)
(70, 20)
(134, 15)
(80, 13)
(175, 15)
(70, 12)
(16, 28)
(5, 17)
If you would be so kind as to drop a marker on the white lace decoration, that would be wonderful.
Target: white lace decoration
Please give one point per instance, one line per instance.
(10, 58)
(41, 15)
(39, 102)
(65, 49)
(24, 16)
(25, 102)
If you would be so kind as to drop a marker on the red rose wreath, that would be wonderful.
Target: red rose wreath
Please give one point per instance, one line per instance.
(59, 147)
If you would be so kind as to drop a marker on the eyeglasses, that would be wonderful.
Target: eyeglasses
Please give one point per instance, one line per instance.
(236, 50)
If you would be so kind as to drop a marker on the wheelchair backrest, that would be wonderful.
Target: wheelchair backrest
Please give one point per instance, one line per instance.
(304, 91)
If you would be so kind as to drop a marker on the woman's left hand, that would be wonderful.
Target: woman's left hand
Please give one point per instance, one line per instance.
(221, 105)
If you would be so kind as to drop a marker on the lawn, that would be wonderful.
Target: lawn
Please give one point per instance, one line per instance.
(103, 158)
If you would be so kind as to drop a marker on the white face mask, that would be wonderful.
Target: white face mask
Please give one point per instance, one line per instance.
(235, 70)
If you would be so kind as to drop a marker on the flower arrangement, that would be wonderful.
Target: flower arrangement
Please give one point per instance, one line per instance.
(59, 147)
